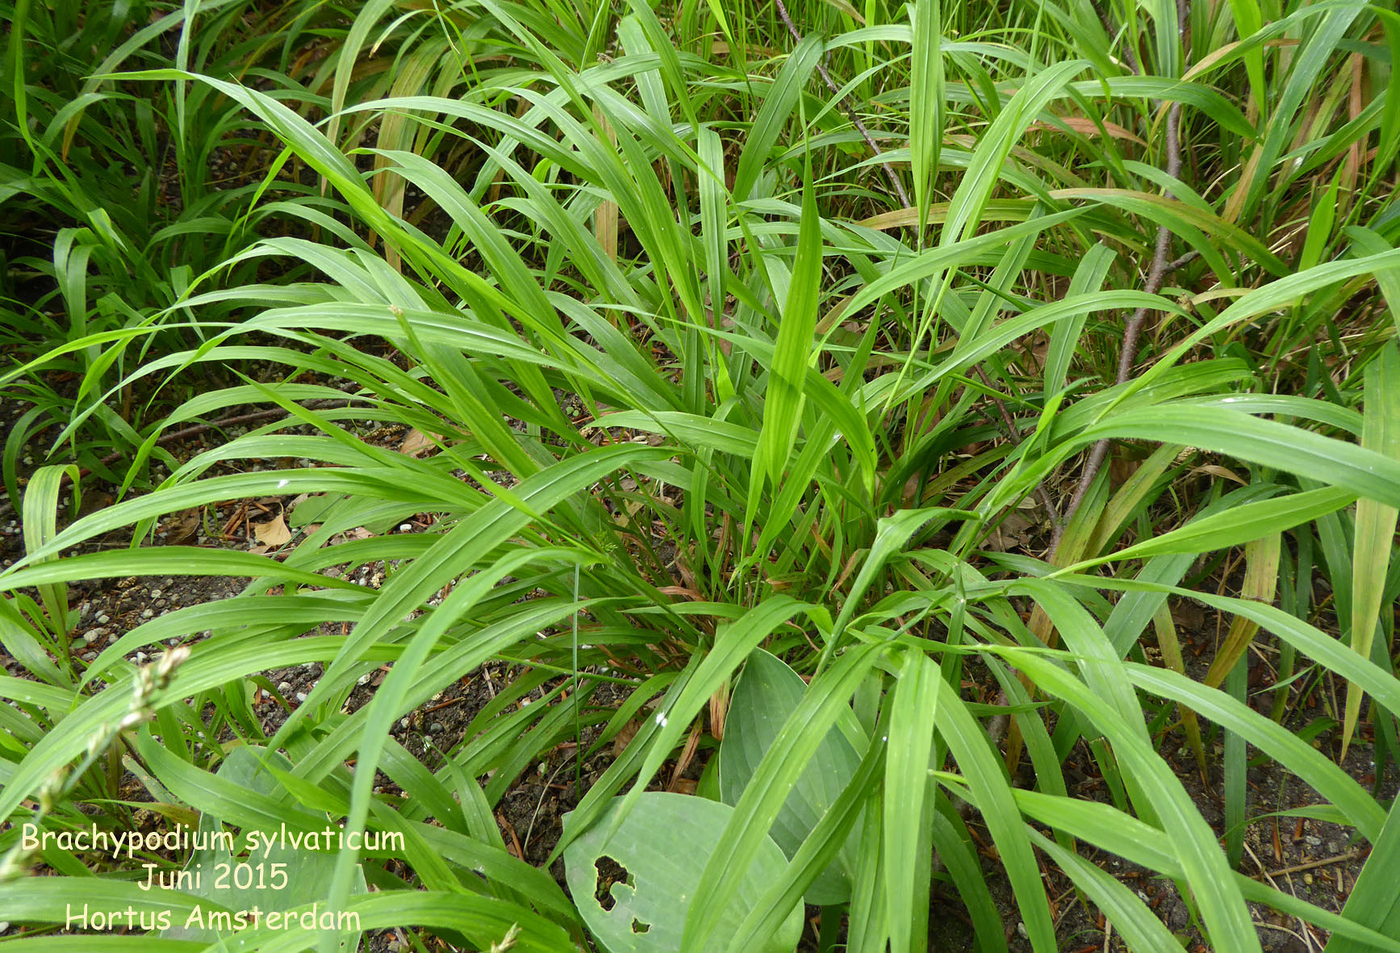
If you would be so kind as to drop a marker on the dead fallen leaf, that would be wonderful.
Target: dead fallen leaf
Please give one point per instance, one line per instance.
(417, 443)
(624, 737)
(1012, 534)
(719, 711)
(1188, 614)
(272, 533)
(1090, 129)
(181, 527)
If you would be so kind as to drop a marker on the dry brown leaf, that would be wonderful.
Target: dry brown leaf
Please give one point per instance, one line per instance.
(1011, 534)
(719, 711)
(1188, 614)
(998, 210)
(624, 737)
(417, 443)
(1089, 128)
(273, 533)
(181, 527)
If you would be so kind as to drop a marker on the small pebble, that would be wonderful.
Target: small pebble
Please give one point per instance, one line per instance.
(435, 727)
(104, 618)
(284, 687)
(405, 527)
(1312, 840)
(92, 636)
(1307, 879)
(147, 613)
(301, 696)
(155, 593)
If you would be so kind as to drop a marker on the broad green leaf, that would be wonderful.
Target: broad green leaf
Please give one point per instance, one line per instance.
(778, 103)
(1119, 905)
(926, 103)
(817, 852)
(661, 847)
(782, 406)
(825, 703)
(1284, 746)
(908, 805)
(1266, 442)
(767, 693)
(1236, 525)
(1126, 836)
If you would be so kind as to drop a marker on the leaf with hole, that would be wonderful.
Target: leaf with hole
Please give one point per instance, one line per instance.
(634, 889)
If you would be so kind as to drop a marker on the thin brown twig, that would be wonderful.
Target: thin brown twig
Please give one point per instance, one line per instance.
(1312, 864)
(1183, 261)
(850, 112)
(1129, 59)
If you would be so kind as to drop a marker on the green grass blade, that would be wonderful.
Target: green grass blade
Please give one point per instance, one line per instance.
(1375, 522)
(1202, 861)
(992, 793)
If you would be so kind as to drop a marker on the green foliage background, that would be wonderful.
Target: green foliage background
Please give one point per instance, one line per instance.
(715, 359)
